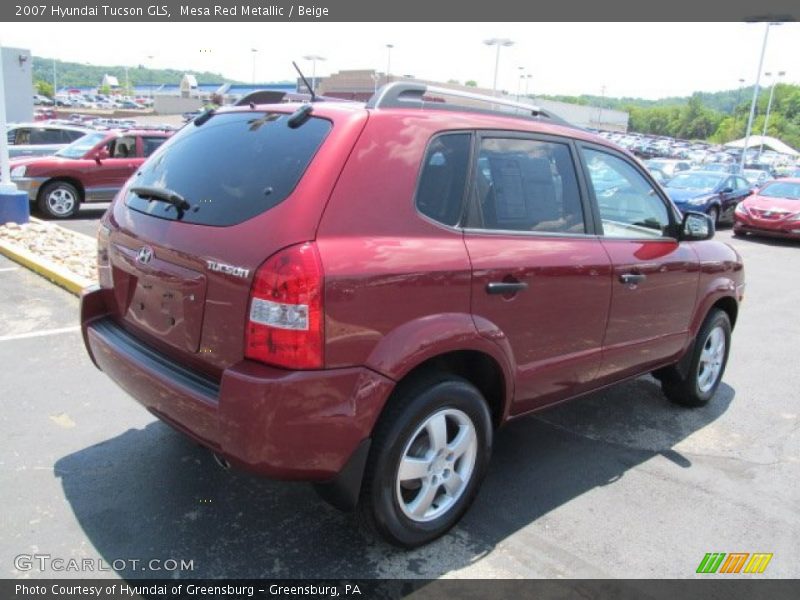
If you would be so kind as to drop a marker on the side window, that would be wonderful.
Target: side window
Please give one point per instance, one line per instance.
(527, 185)
(440, 194)
(23, 135)
(151, 144)
(629, 205)
(122, 147)
(742, 184)
(70, 136)
(45, 136)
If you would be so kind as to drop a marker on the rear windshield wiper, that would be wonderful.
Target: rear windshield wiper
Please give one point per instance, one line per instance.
(162, 195)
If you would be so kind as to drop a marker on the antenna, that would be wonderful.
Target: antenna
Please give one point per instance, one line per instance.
(305, 81)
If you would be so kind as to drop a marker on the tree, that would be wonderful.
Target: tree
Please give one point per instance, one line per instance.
(471, 83)
(44, 88)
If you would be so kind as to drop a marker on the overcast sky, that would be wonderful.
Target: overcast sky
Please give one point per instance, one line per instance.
(649, 60)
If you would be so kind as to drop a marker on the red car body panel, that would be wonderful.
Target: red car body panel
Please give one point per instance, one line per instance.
(770, 216)
(399, 290)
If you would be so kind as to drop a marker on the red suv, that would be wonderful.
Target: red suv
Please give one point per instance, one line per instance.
(359, 296)
(93, 168)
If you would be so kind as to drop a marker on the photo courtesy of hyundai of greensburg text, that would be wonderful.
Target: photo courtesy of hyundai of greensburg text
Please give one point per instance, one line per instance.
(380, 301)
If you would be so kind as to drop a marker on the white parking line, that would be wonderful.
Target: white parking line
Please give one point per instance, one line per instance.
(7, 269)
(33, 334)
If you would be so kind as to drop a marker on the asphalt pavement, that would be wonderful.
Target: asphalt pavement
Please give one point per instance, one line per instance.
(620, 483)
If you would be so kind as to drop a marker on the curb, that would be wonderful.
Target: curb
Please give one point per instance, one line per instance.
(55, 273)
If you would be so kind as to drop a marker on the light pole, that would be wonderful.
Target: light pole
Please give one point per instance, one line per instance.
(519, 82)
(736, 107)
(755, 94)
(527, 83)
(388, 61)
(254, 51)
(313, 58)
(602, 101)
(499, 42)
(769, 107)
(150, 60)
(55, 82)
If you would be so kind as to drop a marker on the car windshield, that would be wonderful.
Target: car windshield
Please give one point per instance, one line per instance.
(695, 181)
(781, 189)
(81, 146)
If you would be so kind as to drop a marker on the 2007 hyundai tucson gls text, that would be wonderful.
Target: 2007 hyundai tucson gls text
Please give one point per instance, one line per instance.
(360, 295)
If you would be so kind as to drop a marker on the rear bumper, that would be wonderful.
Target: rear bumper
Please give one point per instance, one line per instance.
(779, 230)
(277, 423)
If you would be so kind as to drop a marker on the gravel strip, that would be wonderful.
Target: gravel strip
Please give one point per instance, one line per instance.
(73, 251)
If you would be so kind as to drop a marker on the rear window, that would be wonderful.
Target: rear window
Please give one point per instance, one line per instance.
(229, 169)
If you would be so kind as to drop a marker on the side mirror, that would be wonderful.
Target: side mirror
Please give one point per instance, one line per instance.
(727, 190)
(696, 227)
(101, 155)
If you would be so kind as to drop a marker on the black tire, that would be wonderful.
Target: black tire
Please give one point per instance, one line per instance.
(713, 212)
(688, 387)
(384, 503)
(739, 233)
(59, 200)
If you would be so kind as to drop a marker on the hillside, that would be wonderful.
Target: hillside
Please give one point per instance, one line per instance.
(71, 74)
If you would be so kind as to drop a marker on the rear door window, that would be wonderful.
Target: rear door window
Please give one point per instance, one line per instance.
(527, 185)
(230, 168)
(151, 143)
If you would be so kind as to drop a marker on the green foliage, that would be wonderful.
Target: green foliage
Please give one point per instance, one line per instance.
(471, 83)
(718, 117)
(44, 88)
(69, 74)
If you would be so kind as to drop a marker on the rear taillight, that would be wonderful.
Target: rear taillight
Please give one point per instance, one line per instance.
(285, 326)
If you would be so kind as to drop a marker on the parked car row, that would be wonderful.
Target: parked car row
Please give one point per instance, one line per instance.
(701, 153)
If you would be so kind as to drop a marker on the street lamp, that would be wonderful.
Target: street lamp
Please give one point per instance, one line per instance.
(527, 83)
(150, 60)
(254, 51)
(736, 107)
(769, 106)
(313, 58)
(499, 42)
(519, 82)
(55, 82)
(388, 61)
(755, 93)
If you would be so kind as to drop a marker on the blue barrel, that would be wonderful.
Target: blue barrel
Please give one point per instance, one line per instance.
(15, 207)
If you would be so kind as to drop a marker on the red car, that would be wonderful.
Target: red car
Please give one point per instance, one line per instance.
(773, 210)
(91, 169)
(359, 296)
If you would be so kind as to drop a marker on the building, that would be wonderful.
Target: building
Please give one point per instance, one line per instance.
(188, 86)
(361, 84)
(110, 82)
(18, 80)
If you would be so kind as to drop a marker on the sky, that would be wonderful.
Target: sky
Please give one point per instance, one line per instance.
(646, 60)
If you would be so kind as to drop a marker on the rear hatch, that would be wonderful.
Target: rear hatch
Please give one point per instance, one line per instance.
(189, 230)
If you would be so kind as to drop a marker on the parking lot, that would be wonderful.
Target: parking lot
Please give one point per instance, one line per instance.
(620, 483)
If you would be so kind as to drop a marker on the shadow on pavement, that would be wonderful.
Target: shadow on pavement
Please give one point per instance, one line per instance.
(151, 493)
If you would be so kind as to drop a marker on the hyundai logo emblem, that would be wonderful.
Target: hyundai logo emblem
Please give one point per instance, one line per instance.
(145, 255)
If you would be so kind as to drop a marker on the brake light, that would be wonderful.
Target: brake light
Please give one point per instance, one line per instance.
(285, 326)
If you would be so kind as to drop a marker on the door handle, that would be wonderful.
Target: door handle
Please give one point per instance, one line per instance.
(632, 278)
(505, 287)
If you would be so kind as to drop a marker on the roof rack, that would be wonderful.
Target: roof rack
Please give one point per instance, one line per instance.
(402, 94)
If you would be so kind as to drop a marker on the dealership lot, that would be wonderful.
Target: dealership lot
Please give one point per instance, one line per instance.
(620, 483)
